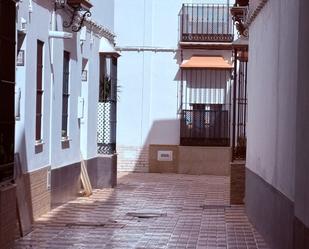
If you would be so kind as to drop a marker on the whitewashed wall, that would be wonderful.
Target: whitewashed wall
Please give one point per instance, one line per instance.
(90, 93)
(149, 81)
(272, 77)
(82, 132)
(37, 19)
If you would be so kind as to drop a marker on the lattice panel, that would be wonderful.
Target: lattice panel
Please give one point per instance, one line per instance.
(106, 130)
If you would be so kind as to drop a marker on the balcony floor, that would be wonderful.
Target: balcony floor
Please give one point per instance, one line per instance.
(193, 212)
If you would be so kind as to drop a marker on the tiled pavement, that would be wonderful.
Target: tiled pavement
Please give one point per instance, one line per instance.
(193, 212)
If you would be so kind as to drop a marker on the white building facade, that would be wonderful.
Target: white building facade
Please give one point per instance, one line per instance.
(57, 94)
(150, 80)
(277, 199)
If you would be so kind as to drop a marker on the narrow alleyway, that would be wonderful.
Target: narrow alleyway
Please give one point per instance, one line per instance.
(149, 211)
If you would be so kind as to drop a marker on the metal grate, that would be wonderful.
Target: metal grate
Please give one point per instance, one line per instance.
(205, 128)
(146, 215)
(107, 106)
(240, 102)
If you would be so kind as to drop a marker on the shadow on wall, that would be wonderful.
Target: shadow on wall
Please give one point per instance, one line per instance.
(136, 159)
(162, 131)
(161, 153)
(33, 193)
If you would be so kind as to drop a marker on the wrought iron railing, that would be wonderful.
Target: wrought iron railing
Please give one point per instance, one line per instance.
(204, 128)
(206, 23)
(240, 106)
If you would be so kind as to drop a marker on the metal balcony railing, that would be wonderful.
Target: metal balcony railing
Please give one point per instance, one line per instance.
(204, 128)
(206, 23)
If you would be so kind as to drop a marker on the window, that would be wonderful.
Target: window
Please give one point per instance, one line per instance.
(39, 92)
(65, 94)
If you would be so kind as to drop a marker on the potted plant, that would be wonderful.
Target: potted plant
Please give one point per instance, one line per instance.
(105, 89)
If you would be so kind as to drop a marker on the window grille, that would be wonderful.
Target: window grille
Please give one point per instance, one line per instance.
(65, 94)
(39, 91)
(205, 107)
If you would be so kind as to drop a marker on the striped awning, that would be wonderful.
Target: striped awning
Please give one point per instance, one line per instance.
(213, 62)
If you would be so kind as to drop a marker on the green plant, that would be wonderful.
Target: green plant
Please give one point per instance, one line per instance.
(105, 89)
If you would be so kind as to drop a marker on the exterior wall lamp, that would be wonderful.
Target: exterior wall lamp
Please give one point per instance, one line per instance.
(81, 10)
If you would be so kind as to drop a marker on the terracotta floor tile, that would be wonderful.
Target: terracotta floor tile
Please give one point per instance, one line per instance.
(196, 214)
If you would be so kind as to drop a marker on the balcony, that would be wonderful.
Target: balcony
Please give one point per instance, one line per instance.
(204, 128)
(206, 23)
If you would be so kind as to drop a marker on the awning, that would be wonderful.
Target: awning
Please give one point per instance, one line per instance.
(214, 62)
(107, 48)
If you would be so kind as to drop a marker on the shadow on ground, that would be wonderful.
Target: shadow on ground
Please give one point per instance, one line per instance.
(186, 212)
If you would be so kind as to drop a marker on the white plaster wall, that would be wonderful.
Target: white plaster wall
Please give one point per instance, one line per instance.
(147, 109)
(302, 142)
(82, 133)
(89, 92)
(130, 104)
(59, 156)
(38, 22)
(163, 111)
(272, 77)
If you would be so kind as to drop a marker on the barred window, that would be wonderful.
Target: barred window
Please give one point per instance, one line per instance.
(39, 91)
(65, 94)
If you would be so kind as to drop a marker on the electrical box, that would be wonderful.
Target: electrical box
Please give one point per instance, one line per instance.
(80, 109)
(165, 155)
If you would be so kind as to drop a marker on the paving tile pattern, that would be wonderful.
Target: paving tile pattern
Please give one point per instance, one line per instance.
(192, 212)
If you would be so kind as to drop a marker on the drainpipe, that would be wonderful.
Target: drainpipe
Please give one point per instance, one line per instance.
(147, 48)
(181, 85)
(30, 8)
(51, 42)
(53, 29)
